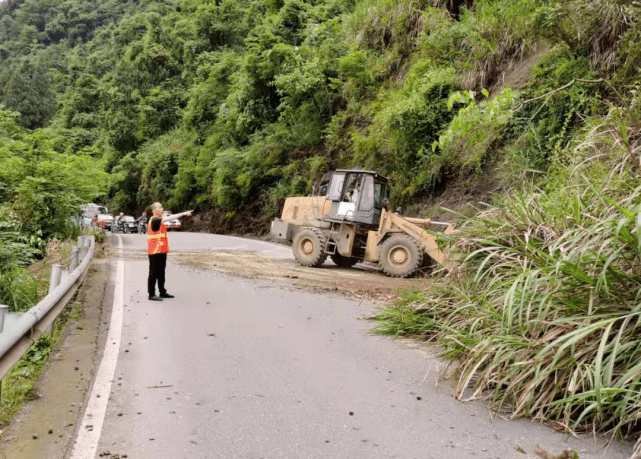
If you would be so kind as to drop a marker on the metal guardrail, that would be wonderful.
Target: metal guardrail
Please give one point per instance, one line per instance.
(18, 331)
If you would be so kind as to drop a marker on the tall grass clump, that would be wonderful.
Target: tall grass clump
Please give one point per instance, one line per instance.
(498, 35)
(546, 316)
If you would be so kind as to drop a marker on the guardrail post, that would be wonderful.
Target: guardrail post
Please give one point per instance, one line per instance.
(75, 253)
(64, 275)
(81, 247)
(3, 310)
(56, 273)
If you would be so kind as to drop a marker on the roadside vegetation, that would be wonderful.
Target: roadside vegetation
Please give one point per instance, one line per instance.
(545, 317)
(543, 312)
(17, 384)
(25, 290)
(42, 183)
(232, 106)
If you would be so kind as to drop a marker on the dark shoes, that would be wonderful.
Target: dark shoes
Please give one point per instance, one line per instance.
(160, 297)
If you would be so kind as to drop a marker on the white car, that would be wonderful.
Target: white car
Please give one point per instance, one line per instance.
(90, 212)
(171, 224)
(104, 220)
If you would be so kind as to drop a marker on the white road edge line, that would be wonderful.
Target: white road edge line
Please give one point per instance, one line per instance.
(86, 444)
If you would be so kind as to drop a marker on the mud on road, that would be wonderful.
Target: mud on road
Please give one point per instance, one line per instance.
(362, 281)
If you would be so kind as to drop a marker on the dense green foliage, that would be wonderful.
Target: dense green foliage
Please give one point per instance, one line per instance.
(237, 104)
(42, 183)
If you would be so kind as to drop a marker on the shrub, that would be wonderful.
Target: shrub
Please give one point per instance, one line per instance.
(547, 125)
(498, 34)
(406, 123)
(475, 129)
(594, 29)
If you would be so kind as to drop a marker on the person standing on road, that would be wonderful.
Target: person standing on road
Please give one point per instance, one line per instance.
(157, 249)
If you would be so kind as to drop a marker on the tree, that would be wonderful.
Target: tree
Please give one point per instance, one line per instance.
(29, 94)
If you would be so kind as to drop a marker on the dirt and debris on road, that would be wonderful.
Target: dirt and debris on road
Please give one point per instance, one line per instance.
(361, 281)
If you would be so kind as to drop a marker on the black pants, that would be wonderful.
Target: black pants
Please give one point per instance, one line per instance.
(157, 265)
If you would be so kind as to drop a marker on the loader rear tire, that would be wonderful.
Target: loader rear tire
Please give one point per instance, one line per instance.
(309, 247)
(344, 262)
(400, 256)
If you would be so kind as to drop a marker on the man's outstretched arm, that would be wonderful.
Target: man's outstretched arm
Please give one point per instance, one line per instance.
(176, 216)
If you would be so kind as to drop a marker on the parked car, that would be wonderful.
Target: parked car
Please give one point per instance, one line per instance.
(89, 212)
(171, 224)
(104, 220)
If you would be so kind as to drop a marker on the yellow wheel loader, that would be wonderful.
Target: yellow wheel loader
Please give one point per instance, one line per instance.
(350, 224)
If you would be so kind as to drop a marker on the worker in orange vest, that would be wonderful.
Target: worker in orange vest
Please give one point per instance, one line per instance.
(157, 250)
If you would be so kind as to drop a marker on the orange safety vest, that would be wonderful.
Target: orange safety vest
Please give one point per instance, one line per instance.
(157, 241)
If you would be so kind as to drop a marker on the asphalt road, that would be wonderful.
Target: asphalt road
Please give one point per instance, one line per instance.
(238, 368)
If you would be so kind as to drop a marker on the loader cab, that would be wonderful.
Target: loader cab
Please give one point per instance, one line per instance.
(357, 196)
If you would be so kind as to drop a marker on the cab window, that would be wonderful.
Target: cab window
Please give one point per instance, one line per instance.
(335, 192)
(367, 193)
(381, 193)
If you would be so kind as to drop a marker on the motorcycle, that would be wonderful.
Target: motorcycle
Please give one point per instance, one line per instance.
(130, 226)
(142, 227)
(122, 226)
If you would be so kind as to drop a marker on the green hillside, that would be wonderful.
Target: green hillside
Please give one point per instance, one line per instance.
(230, 106)
(235, 104)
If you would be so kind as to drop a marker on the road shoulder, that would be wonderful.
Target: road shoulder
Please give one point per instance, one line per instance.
(46, 425)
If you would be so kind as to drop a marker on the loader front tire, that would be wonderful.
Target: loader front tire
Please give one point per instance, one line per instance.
(344, 262)
(400, 256)
(309, 247)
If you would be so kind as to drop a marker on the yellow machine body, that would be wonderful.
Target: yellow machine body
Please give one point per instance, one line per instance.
(300, 212)
(318, 227)
(417, 228)
(305, 211)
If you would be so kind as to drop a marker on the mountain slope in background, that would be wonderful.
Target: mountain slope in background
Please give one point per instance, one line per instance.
(232, 106)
